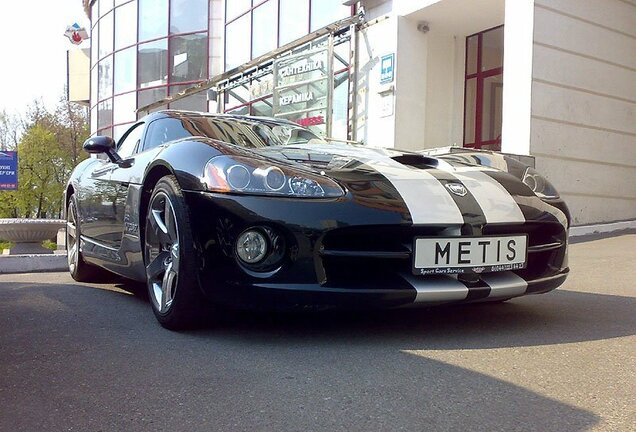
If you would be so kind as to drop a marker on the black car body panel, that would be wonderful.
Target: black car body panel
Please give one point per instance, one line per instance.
(355, 250)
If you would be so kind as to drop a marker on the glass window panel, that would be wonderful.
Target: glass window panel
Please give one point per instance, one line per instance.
(188, 61)
(492, 108)
(119, 2)
(294, 20)
(149, 96)
(471, 54)
(94, 45)
(195, 102)
(125, 70)
(164, 130)
(124, 108)
(94, 85)
(153, 19)
(237, 96)
(470, 105)
(263, 108)
(188, 16)
(237, 42)
(339, 122)
(104, 6)
(341, 55)
(105, 113)
(105, 78)
(245, 110)
(325, 12)
(264, 28)
(492, 49)
(93, 119)
(126, 25)
(153, 63)
(106, 35)
(234, 8)
(120, 130)
(127, 147)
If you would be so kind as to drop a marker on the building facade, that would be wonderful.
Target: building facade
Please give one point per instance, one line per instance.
(551, 79)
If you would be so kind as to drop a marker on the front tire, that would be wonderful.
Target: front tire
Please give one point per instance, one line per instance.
(79, 270)
(171, 269)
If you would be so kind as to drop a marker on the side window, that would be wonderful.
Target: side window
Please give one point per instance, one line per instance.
(163, 130)
(128, 143)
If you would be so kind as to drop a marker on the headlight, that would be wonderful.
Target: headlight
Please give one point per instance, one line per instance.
(239, 174)
(539, 184)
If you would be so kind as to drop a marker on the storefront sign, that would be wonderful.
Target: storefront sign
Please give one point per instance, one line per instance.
(8, 170)
(311, 121)
(296, 98)
(387, 68)
(304, 66)
(301, 88)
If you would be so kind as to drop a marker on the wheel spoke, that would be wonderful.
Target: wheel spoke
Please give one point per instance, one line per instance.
(70, 229)
(168, 215)
(167, 284)
(157, 266)
(72, 254)
(174, 253)
(159, 227)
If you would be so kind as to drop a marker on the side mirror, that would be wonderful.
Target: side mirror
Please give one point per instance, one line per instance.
(102, 144)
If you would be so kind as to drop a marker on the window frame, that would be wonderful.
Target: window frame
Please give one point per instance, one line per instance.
(254, 5)
(95, 24)
(127, 134)
(479, 76)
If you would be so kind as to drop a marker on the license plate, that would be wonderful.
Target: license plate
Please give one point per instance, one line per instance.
(452, 255)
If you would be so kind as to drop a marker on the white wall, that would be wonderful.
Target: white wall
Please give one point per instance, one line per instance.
(517, 76)
(372, 127)
(583, 128)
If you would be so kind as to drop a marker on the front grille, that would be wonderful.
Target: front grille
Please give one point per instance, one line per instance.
(377, 255)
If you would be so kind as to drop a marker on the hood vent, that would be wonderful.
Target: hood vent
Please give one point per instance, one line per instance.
(416, 160)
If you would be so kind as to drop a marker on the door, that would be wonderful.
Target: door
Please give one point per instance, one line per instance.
(128, 172)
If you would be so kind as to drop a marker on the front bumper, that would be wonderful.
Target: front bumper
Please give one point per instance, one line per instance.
(336, 253)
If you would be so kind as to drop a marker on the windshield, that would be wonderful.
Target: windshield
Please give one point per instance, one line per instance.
(251, 133)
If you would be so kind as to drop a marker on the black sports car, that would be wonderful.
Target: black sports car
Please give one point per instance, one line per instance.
(256, 212)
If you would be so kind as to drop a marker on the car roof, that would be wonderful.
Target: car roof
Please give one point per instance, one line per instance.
(197, 114)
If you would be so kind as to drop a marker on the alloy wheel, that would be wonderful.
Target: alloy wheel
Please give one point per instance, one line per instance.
(72, 242)
(162, 252)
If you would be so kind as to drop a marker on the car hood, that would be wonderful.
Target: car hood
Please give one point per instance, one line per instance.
(435, 190)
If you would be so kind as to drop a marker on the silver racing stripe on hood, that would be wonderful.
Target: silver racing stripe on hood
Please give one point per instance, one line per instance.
(426, 198)
(498, 205)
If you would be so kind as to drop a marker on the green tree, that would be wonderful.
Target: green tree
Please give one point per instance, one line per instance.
(49, 147)
(41, 170)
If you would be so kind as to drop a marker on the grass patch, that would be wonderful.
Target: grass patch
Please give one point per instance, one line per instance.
(49, 245)
(5, 245)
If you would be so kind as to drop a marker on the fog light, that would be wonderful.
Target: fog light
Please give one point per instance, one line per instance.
(251, 246)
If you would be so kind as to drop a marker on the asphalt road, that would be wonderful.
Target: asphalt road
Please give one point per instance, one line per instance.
(92, 358)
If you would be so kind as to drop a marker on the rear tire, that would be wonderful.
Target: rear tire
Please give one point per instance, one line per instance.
(77, 267)
(171, 267)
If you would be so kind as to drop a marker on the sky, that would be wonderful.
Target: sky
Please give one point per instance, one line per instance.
(33, 50)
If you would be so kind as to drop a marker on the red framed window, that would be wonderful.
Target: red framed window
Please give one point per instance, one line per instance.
(483, 89)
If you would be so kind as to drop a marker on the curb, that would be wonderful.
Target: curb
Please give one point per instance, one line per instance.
(33, 263)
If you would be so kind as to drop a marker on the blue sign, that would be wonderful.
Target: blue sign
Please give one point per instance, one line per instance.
(387, 68)
(8, 170)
